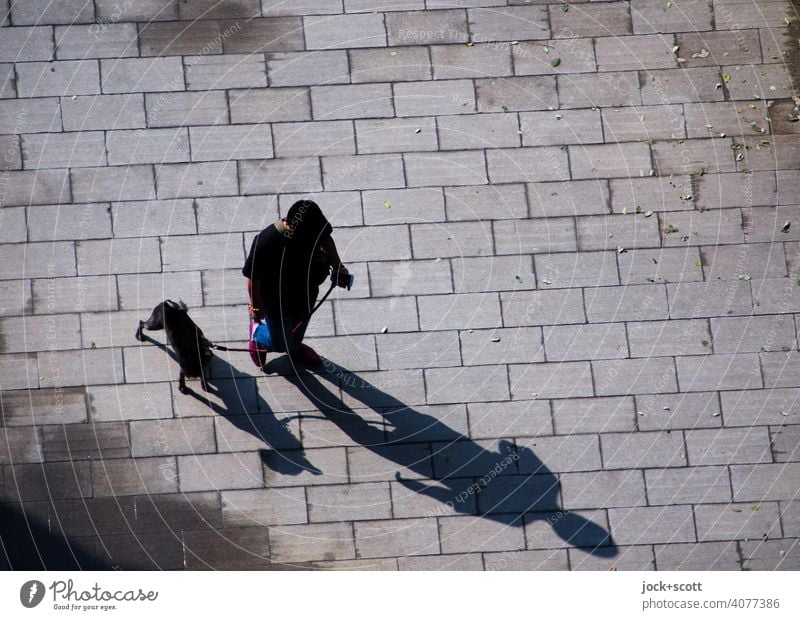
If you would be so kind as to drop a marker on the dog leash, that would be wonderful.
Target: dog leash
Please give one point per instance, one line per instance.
(220, 347)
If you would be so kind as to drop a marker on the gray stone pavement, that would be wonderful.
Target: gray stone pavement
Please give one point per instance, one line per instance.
(572, 343)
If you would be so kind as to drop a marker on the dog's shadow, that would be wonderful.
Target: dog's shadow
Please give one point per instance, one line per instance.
(233, 395)
(510, 485)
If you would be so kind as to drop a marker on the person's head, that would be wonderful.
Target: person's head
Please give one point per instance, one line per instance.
(305, 221)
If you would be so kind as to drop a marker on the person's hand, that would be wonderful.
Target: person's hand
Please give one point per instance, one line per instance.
(256, 314)
(342, 270)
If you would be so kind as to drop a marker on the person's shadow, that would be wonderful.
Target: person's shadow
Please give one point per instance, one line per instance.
(510, 485)
(233, 395)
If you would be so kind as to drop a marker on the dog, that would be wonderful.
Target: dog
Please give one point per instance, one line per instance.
(186, 338)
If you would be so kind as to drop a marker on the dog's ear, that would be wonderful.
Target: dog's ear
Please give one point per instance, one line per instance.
(182, 306)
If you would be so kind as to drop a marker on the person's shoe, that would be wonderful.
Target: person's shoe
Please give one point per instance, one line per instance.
(306, 355)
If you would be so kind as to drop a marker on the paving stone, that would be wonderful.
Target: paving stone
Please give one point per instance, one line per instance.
(526, 560)
(486, 202)
(668, 524)
(116, 477)
(351, 101)
(576, 269)
(451, 239)
(766, 555)
(403, 206)
(527, 165)
(227, 549)
(719, 372)
(588, 415)
(733, 118)
(703, 228)
(82, 442)
(479, 61)
(678, 17)
(609, 160)
(223, 72)
(128, 402)
(103, 112)
(649, 123)
(585, 342)
(636, 52)
(765, 224)
(563, 530)
(741, 46)
(639, 558)
(664, 338)
(427, 27)
(75, 368)
(764, 482)
(528, 308)
(478, 131)
(37, 260)
(623, 377)
(341, 208)
(292, 468)
(483, 274)
(12, 158)
(145, 291)
(470, 458)
(156, 217)
(777, 368)
(20, 445)
(196, 180)
(476, 534)
(23, 44)
(262, 35)
(180, 38)
(79, 294)
(699, 299)
(787, 181)
(44, 12)
(512, 23)
(339, 31)
(758, 82)
(171, 437)
(698, 556)
(447, 562)
(317, 138)
(18, 299)
(732, 521)
(106, 184)
(399, 537)
(550, 380)
(103, 329)
(434, 98)
(391, 389)
(643, 450)
(34, 333)
(214, 471)
(415, 351)
(47, 481)
(601, 20)
(509, 419)
(726, 446)
(298, 174)
(757, 260)
(31, 115)
(635, 303)
(362, 172)
(408, 501)
(308, 68)
(8, 81)
(555, 57)
(230, 142)
(513, 345)
(663, 265)
(27, 187)
(106, 41)
(130, 75)
(789, 517)
(569, 198)
(19, 371)
(210, 9)
(452, 168)
(516, 94)
(419, 277)
(691, 485)
(665, 86)
(785, 443)
(382, 463)
(395, 65)
(359, 244)
(270, 105)
(753, 334)
(603, 488)
(300, 7)
(353, 502)
(751, 407)
(145, 10)
(567, 127)
(543, 455)
(475, 384)
(261, 507)
(185, 109)
(650, 194)
(147, 146)
(68, 222)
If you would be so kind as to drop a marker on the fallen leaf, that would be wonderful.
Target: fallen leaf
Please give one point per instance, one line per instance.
(565, 7)
(495, 339)
(555, 62)
(754, 508)
(726, 77)
(736, 510)
(470, 44)
(519, 280)
(387, 204)
(703, 53)
(716, 414)
(546, 281)
(648, 213)
(670, 229)
(785, 228)
(384, 330)
(698, 263)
